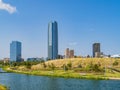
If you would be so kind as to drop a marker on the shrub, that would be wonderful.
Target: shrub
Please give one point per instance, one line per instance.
(44, 65)
(79, 66)
(65, 68)
(89, 67)
(115, 63)
(14, 64)
(28, 65)
(52, 66)
(69, 65)
(94, 67)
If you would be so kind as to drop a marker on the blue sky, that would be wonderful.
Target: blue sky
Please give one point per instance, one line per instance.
(81, 23)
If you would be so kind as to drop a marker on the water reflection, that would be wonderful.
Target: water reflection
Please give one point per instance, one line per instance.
(29, 82)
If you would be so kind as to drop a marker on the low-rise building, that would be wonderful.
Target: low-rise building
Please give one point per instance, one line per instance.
(35, 59)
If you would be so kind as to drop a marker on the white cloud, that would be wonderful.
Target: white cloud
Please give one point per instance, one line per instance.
(7, 7)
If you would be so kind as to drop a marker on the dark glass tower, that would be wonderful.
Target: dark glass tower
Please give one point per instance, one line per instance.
(52, 40)
(96, 48)
(15, 51)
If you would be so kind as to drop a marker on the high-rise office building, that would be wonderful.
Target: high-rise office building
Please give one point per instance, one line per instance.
(15, 51)
(71, 53)
(96, 50)
(67, 53)
(52, 40)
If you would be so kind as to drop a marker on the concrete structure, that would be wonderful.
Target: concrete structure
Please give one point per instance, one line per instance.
(96, 49)
(52, 40)
(15, 51)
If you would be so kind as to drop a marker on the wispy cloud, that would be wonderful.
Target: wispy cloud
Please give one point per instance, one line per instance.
(7, 7)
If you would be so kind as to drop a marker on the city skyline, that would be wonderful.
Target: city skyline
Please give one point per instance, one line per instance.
(81, 23)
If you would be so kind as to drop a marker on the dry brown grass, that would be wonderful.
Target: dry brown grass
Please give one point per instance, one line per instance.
(2, 87)
(104, 62)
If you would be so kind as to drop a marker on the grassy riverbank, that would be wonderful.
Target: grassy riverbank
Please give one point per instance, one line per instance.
(61, 73)
(70, 74)
(2, 87)
(81, 68)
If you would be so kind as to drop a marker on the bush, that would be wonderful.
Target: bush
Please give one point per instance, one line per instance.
(52, 66)
(28, 65)
(115, 63)
(14, 64)
(79, 66)
(89, 67)
(94, 67)
(69, 65)
(44, 65)
(65, 68)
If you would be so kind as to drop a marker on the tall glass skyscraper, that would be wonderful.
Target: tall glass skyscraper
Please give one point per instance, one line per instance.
(52, 40)
(15, 51)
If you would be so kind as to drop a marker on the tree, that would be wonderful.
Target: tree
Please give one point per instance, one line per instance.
(14, 64)
(96, 68)
(28, 65)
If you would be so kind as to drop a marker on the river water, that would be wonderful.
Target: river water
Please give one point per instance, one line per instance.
(29, 82)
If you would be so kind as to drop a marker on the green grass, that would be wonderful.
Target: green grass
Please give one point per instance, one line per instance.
(76, 72)
(61, 73)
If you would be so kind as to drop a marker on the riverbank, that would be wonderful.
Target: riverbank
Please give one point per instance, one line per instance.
(68, 74)
(30, 82)
(2, 87)
(61, 73)
(80, 68)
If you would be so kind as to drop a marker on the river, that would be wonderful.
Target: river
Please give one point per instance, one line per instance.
(29, 82)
